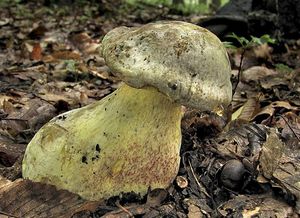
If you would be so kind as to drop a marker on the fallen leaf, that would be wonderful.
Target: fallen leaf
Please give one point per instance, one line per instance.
(4, 182)
(156, 197)
(24, 198)
(256, 73)
(270, 110)
(272, 150)
(36, 53)
(84, 43)
(8, 107)
(251, 213)
(62, 55)
(246, 112)
(38, 32)
(256, 206)
(194, 212)
(263, 51)
(10, 152)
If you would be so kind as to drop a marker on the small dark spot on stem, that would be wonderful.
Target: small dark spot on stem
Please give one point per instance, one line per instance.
(95, 158)
(62, 117)
(98, 148)
(84, 159)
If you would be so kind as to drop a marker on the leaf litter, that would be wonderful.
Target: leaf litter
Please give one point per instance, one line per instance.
(247, 166)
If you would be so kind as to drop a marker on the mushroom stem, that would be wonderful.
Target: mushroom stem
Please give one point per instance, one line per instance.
(128, 141)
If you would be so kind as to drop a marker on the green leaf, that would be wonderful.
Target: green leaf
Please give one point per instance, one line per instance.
(255, 41)
(229, 45)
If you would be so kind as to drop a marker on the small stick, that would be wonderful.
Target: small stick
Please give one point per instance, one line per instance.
(124, 209)
(287, 123)
(239, 72)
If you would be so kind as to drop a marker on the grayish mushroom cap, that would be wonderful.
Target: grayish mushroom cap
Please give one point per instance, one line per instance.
(182, 60)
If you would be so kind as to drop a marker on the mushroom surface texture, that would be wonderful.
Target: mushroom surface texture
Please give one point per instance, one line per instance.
(130, 140)
(184, 61)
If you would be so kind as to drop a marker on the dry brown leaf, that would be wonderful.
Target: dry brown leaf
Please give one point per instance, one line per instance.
(263, 51)
(156, 197)
(84, 43)
(29, 116)
(290, 125)
(194, 212)
(102, 72)
(202, 123)
(66, 55)
(272, 150)
(270, 109)
(24, 198)
(10, 152)
(288, 173)
(4, 98)
(62, 55)
(257, 206)
(4, 182)
(52, 97)
(38, 32)
(36, 53)
(8, 107)
(251, 213)
(246, 112)
(272, 81)
(256, 73)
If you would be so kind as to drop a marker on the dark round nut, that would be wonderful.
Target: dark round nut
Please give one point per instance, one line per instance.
(232, 174)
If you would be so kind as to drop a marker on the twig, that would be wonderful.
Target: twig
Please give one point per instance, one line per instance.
(14, 119)
(287, 123)
(7, 214)
(239, 72)
(197, 181)
(124, 209)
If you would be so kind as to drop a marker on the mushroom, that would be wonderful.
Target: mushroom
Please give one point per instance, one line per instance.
(130, 140)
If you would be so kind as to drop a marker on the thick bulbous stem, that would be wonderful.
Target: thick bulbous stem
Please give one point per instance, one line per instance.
(128, 141)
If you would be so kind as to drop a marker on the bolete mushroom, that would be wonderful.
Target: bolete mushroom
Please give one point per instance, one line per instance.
(130, 140)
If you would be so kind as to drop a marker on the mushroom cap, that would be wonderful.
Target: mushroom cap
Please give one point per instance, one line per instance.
(184, 61)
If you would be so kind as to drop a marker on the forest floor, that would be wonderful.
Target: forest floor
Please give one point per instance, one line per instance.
(246, 166)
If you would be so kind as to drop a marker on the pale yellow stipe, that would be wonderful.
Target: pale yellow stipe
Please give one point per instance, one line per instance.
(128, 141)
